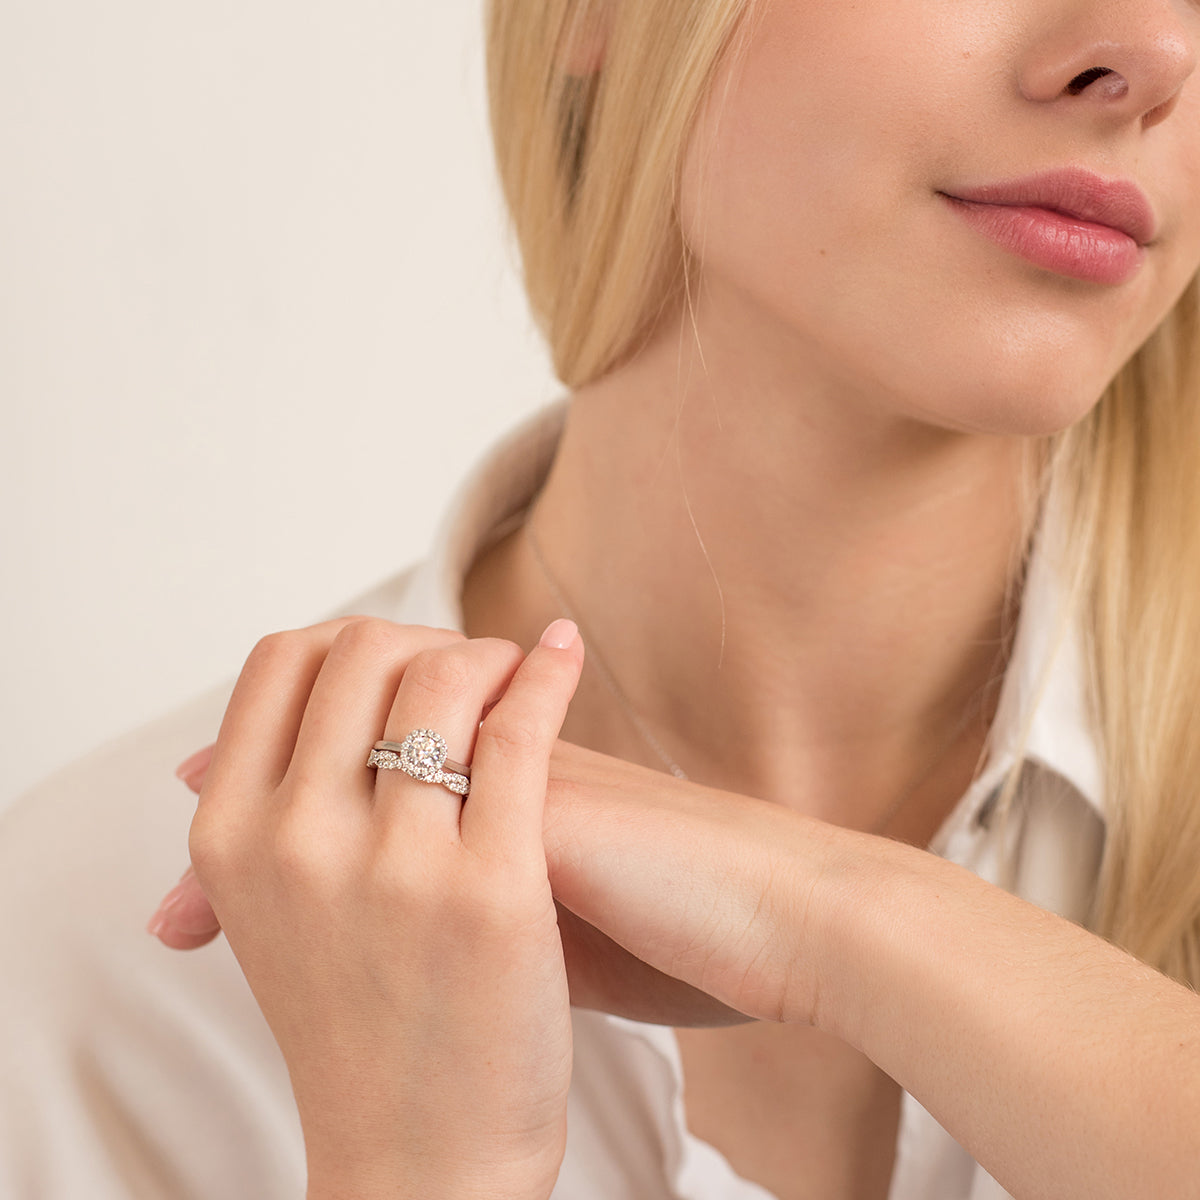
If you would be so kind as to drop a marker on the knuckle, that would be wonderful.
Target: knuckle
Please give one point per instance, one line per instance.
(370, 636)
(275, 649)
(212, 849)
(509, 647)
(447, 673)
(546, 680)
(291, 851)
(299, 853)
(542, 678)
(514, 735)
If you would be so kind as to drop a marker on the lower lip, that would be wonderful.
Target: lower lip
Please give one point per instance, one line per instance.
(1064, 245)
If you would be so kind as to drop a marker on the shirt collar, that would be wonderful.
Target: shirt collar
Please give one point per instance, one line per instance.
(1044, 684)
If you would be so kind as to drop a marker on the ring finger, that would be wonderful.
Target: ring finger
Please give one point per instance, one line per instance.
(444, 690)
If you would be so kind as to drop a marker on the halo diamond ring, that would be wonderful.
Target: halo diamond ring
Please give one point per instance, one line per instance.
(422, 755)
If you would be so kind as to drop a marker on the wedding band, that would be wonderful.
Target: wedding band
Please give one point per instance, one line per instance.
(422, 755)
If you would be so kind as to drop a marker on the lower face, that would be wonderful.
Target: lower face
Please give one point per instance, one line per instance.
(814, 196)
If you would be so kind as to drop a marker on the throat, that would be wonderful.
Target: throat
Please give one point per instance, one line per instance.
(901, 790)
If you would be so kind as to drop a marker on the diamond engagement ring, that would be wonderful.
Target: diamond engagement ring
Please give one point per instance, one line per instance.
(423, 756)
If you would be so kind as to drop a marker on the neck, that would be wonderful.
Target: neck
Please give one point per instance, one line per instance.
(800, 597)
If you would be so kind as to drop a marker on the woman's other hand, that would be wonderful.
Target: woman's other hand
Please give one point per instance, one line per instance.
(602, 974)
(712, 889)
(403, 945)
(714, 871)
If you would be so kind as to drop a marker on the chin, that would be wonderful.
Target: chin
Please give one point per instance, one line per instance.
(1023, 412)
(1017, 390)
(1013, 403)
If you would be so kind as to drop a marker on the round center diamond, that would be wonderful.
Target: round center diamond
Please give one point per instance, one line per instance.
(422, 753)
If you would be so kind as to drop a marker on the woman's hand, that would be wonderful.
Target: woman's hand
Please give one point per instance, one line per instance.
(940, 978)
(705, 885)
(602, 975)
(402, 944)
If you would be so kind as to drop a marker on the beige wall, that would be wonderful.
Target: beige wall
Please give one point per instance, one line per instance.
(240, 244)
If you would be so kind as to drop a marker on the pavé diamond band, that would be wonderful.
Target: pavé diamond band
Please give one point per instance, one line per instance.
(423, 756)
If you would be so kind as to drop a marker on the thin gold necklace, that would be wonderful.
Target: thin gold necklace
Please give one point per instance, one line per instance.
(593, 656)
(597, 662)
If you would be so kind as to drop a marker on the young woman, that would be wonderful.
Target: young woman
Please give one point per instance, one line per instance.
(876, 501)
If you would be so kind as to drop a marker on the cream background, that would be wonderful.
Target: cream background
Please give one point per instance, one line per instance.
(257, 315)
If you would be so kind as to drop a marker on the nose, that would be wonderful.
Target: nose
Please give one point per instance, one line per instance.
(1123, 60)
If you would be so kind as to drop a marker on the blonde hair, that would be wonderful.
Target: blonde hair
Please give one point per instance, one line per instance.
(589, 163)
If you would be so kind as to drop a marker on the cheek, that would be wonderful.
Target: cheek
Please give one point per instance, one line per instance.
(814, 129)
(1184, 234)
(808, 191)
(770, 152)
(809, 164)
(777, 201)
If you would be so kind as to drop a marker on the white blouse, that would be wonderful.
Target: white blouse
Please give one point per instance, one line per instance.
(130, 1072)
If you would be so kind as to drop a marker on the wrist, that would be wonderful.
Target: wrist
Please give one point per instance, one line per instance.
(830, 985)
(875, 922)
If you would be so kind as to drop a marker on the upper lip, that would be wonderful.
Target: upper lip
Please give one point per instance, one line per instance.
(1117, 203)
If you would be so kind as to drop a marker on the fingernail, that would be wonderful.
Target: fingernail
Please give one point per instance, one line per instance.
(158, 922)
(193, 766)
(559, 634)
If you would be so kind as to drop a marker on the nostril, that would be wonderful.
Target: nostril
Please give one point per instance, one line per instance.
(1084, 78)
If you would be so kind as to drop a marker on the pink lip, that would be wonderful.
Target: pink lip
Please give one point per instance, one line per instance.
(1071, 222)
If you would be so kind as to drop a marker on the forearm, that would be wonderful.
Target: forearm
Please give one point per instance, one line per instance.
(1064, 1066)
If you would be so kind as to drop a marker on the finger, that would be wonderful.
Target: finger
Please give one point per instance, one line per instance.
(258, 731)
(512, 751)
(185, 920)
(444, 690)
(351, 697)
(193, 770)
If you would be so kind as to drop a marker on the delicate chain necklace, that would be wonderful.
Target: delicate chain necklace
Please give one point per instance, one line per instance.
(597, 662)
(593, 656)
